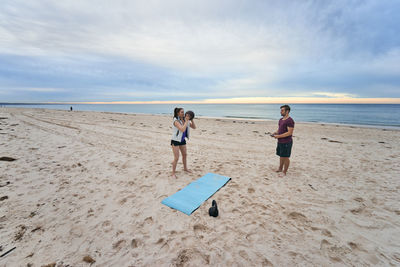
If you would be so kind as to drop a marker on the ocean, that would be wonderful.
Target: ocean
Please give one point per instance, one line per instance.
(378, 115)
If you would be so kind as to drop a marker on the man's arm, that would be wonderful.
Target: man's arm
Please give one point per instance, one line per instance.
(192, 125)
(288, 133)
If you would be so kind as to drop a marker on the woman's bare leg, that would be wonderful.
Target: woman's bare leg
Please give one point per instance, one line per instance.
(184, 158)
(175, 151)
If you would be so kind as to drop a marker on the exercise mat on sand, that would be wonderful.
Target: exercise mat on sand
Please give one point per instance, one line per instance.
(193, 195)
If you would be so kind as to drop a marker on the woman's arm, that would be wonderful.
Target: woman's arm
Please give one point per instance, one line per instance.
(181, 127)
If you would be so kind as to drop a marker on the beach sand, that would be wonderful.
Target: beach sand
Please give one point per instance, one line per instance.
(89, 185)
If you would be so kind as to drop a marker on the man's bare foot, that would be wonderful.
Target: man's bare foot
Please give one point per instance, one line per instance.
(187, 170)
(278, 170)
(282, 174)
(173, 176)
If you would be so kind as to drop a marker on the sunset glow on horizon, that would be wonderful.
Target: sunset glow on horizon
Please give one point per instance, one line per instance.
(258, 100)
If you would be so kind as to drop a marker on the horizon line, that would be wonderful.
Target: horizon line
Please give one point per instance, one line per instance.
(240, 100)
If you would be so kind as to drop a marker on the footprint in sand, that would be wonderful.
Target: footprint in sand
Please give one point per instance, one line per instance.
(355, 247)
(107, 226)
(18, 236)
(135, 243)
(358, 210)
(232, 184)
(160, 241)
(251, 237)
(297, 217)
(199, 228)
(235, 211)
(326, 232)
(250, 190)
(119, 244)
(148, 220)
(244, 255)
(266, 262)
(123, 201)
(359, 199)
(90, 212)
(334, 252)
(259, 206)
(184, 257)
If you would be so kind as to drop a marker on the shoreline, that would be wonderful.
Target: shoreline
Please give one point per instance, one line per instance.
(363, 126)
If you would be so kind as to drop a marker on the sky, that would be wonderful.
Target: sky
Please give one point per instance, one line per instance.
(200, 51)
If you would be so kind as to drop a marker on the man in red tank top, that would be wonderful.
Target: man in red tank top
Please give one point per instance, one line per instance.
(284, 136)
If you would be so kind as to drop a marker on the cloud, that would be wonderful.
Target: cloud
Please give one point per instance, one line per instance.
(42, 90)
(128, 50)
(333, 95)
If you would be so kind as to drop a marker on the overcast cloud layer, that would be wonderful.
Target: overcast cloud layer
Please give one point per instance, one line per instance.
(194, 50)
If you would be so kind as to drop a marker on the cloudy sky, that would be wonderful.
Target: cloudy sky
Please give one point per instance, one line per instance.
(56, 51)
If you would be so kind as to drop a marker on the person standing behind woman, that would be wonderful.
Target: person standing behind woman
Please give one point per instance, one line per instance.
(180, 130)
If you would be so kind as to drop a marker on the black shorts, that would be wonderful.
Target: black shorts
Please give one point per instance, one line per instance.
(284, 150)
(176, 143)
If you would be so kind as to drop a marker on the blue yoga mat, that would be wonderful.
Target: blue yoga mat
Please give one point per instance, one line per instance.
(193, 195)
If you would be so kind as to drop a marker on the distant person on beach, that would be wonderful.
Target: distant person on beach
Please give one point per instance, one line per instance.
(180, 130)
(284, 136)
(70, 108)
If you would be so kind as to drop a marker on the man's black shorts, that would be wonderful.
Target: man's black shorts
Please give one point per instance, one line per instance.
(284, 150)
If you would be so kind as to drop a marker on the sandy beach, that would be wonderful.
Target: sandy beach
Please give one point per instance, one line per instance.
(87, 187)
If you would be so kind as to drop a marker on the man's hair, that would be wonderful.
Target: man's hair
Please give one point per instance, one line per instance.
(286, 107)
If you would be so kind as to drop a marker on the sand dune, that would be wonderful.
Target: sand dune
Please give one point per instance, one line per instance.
(87, 187)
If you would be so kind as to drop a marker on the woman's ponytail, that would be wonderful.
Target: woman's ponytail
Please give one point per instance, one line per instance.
(176, 112)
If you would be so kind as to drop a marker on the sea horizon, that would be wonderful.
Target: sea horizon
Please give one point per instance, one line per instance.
(360, 114)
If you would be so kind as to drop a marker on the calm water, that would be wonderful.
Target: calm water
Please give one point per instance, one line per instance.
(357, 114)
